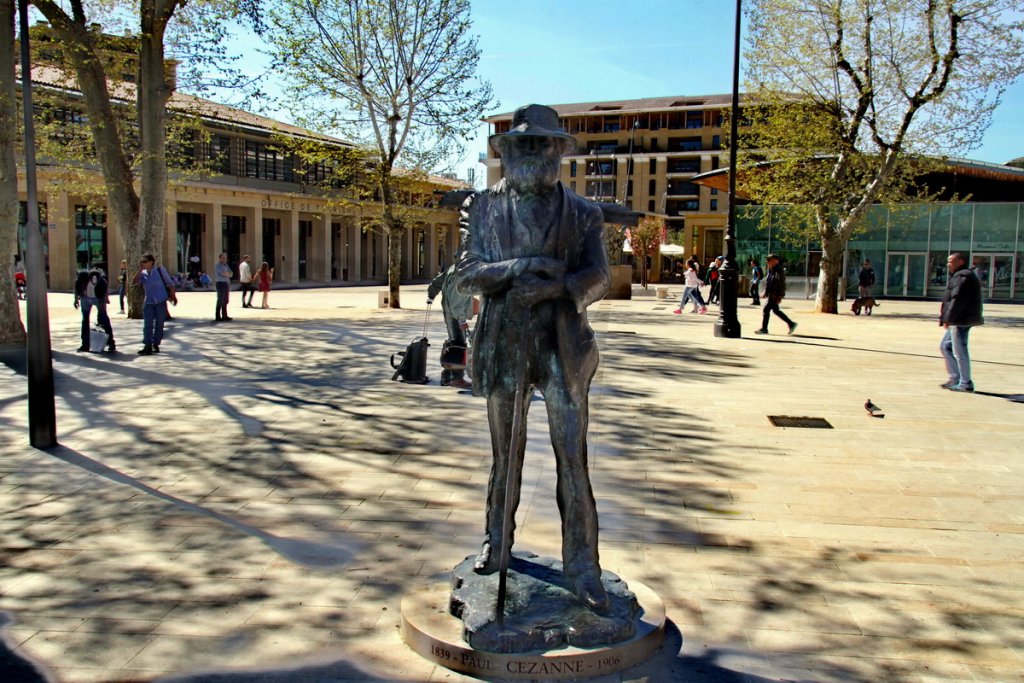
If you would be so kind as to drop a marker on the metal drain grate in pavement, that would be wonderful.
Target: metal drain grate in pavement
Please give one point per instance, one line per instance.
(802, 422)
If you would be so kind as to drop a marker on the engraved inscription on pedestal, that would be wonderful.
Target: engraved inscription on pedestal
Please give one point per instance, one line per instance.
(432, 632)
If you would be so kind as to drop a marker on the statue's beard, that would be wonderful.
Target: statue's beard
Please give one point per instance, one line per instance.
(532, 175)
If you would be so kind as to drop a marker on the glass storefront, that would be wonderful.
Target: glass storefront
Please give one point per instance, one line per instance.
(908, 246)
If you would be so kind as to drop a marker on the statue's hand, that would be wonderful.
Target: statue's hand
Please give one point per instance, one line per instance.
(530, 289)
(546, 267)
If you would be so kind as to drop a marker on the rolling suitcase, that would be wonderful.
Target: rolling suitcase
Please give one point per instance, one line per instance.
(413, 367)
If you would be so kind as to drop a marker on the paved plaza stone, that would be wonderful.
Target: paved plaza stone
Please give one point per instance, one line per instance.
(253, 503)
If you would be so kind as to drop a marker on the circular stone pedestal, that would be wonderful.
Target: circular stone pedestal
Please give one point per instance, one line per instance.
(431, 631)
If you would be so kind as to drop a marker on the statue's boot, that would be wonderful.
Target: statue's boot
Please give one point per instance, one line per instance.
(487, 560)
(589, 589)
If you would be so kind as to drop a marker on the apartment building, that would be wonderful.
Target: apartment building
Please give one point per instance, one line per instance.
(642, 154)
(258, 200)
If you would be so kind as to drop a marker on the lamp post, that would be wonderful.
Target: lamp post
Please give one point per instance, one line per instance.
(728, 325)
(42, 418)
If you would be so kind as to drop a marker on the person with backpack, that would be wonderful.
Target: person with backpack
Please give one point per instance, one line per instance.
(774, 292)
(158, 289)
(91, 290)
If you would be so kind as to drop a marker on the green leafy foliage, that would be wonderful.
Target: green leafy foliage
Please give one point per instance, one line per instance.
(858, 98)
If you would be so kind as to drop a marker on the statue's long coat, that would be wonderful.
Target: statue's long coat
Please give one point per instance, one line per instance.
(487, 268)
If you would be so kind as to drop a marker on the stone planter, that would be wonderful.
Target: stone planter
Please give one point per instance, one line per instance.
(622, 283)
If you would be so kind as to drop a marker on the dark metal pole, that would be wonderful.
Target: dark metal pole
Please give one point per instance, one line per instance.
(42, 418)
(728, 325)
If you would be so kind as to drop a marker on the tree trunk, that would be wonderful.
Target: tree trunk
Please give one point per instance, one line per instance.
(832, 248)
(393, 230)
(122, 200)
(12, 331)
(152, 95)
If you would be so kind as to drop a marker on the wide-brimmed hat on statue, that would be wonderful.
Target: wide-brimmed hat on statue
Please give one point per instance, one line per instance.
(533, 120)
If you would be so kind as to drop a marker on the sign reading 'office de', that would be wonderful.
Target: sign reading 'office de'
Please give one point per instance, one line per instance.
(290, 205)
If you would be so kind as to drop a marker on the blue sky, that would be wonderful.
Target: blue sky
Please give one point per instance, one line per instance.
(562, 51)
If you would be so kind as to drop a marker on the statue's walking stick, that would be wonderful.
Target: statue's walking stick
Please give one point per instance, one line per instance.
(515, 445)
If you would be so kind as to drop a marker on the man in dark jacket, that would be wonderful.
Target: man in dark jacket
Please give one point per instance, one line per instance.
(961, 310)
(774, 293)
(91, 290)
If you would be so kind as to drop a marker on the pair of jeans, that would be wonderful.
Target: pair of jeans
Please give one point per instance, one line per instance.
(247, 288)
(954, 350)
(102, 319)
(153, 317)
(222, 299)
(692, 293)
(773, 307)
(754, 296)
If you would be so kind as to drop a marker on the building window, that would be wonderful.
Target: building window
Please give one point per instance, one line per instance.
(684, 144)
(651, 187)
(714, 163)
(90, 238)
(654, 166)
(695, 120)
(573, 185)
(629, 188)
(650, 205)
(572, 169)
(219, 154)
(264, 162)
(681, 187)
(601, 188)
(714, 205)
(714, 190)
(684, 166)
(716, 142)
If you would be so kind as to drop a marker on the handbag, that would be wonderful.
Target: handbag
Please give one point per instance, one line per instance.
(98, 339)
(453, 357)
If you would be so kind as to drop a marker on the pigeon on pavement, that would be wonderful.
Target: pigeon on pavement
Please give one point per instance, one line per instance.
(873, 410)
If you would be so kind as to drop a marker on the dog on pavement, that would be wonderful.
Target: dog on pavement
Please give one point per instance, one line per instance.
(865, 303)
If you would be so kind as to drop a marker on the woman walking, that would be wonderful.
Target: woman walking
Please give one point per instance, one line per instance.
(691, 290)
(264, 276)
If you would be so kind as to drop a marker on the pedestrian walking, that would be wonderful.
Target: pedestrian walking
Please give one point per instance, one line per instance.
(691, 289)
(756, 275)
(961, 310)
(264, 276)
(222, 273)
(122, 283)
(246, 280)
(91, 289)
(774, 293)
(157, 289)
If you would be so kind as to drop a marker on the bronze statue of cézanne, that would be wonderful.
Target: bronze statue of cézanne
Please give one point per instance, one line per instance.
(534, 252)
